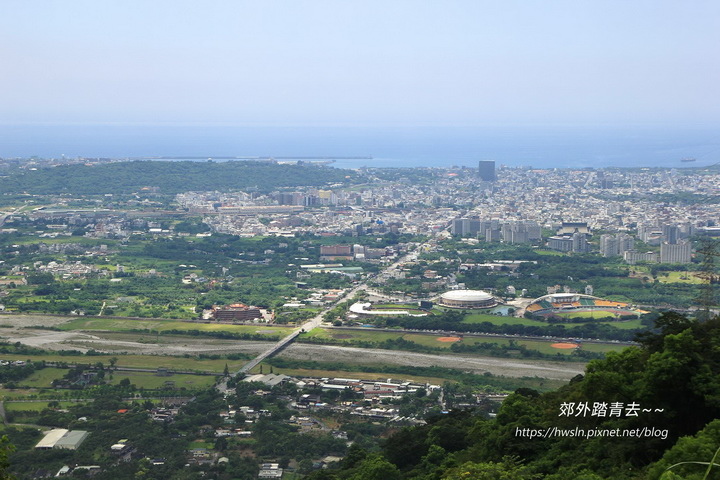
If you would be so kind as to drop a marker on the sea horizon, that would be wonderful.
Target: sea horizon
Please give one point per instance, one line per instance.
(555, 146)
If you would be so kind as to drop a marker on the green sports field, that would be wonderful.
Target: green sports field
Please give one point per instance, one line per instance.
(353, 337)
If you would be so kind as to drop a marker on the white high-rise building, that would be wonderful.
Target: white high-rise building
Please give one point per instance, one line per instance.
(614, 245)
(676, 253)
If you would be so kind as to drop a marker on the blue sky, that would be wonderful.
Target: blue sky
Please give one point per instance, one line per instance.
(359, 62)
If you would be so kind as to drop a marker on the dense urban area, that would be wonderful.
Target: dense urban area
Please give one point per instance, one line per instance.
(288, 319)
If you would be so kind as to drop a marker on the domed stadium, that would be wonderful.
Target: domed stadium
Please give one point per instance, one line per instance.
(467, 299)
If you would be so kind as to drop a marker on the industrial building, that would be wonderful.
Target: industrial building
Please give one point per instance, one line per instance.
(236, 312)
(336, 252)
(62, 438)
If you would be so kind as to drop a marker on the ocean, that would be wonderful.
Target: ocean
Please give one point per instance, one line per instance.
(536, 146)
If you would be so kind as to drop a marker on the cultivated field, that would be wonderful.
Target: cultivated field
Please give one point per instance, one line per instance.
(272, 332)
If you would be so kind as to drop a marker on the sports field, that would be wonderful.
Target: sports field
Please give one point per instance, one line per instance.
(593, 313)
(152, 380)
(503, 320)
(355, 337)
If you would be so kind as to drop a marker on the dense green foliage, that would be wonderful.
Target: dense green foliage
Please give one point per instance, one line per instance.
(170, 177)
(674, 374)
(450, 322)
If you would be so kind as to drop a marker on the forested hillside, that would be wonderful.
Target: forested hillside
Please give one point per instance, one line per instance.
(170, 177)
(669, 391)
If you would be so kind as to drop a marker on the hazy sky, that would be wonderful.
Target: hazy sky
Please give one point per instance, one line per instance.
(359, 62)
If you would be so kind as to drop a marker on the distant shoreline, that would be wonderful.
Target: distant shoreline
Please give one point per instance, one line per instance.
(354, 147)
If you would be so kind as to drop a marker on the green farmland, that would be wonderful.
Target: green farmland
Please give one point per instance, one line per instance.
(133, 361)
(272, 332)
(30, 406)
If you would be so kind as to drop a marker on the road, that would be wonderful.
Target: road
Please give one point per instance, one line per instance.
(307, 326)
(505, 366)
(4, 216)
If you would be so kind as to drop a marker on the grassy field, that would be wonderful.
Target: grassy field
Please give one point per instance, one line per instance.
(355, 336)
(501, 320)
(160, 325)
(81, 240)
(151, 380)
(33, 406)
(351, 337)
(551, 253)
(7, 394)
(586, 314)
(626, 324)
(546, 347)
(43, 378)
(623, 325)
(679, 277)
(138, 361)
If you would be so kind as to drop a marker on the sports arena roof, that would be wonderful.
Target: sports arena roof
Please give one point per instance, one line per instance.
(467, 295)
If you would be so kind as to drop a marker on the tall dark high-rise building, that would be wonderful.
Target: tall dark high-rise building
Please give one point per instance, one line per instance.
(486, 170)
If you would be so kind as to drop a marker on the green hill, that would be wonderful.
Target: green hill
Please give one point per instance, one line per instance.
(170, 177)
(667, 398)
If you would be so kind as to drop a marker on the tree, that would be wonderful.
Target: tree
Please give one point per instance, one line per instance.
(5, 449)
(508, 469)
(689, 457)
(375, 467)
(221, 444)
(305, 466)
